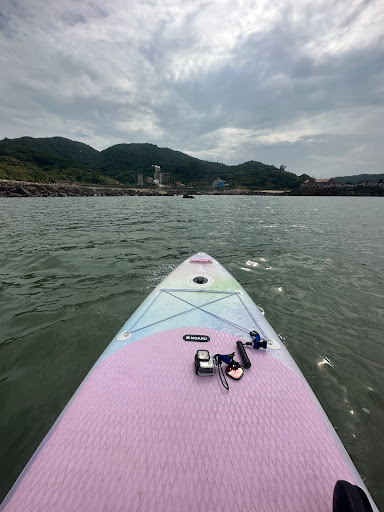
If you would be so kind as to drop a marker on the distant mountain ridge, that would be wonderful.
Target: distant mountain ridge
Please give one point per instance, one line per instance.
(57, 158)
(359, 178)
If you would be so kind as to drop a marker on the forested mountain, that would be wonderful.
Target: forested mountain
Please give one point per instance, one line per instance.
(49, 159)
(56, 158)
(359, 178)
(123, 161)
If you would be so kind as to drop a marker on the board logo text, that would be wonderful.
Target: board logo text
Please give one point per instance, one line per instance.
(195, 337)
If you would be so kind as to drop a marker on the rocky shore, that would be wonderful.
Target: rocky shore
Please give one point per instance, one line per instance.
(27, 189)
(368, 188)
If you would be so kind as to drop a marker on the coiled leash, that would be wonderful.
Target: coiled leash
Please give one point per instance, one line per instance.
(223, 379)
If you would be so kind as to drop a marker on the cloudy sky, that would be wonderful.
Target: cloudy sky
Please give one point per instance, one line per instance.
(291, 82)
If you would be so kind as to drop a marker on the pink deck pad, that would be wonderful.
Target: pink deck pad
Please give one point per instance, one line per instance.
(144, 433)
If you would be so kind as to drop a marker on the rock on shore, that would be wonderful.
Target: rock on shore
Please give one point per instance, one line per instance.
(27, 189)
(368, 188)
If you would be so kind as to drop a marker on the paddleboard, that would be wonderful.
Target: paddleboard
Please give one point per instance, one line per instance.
(145, 432)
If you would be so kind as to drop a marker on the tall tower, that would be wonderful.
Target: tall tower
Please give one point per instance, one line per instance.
(157, 172)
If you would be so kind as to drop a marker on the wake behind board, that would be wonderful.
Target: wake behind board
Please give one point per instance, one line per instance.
(144, 432)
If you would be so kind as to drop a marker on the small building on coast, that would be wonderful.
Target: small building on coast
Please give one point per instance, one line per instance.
(165, 178)
(218, 184)
(311, 182)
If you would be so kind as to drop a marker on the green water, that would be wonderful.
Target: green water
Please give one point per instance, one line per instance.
(73, 269)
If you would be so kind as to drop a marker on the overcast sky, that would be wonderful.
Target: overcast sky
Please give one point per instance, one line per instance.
(294, 82)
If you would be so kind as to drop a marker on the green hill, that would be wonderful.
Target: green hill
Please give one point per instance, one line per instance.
(53, 151)
(255, 175)
(56, 158)
(359, 178)
(49, 159)
(123, 161)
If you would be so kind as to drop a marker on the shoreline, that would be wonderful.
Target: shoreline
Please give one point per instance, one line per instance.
(10, 188)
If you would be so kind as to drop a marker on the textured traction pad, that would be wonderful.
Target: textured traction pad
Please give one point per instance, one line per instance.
(144, 433)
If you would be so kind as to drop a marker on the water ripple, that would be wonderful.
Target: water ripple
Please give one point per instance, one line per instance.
(73, 270)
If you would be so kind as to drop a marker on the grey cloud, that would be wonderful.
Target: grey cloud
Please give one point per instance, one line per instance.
(103, 89)
(276, 80)
(98, 11)
(359, 9)
(72, 19)
(275, 84)
(4, 21)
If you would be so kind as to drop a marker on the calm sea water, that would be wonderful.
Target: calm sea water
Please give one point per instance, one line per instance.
(73, 269)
